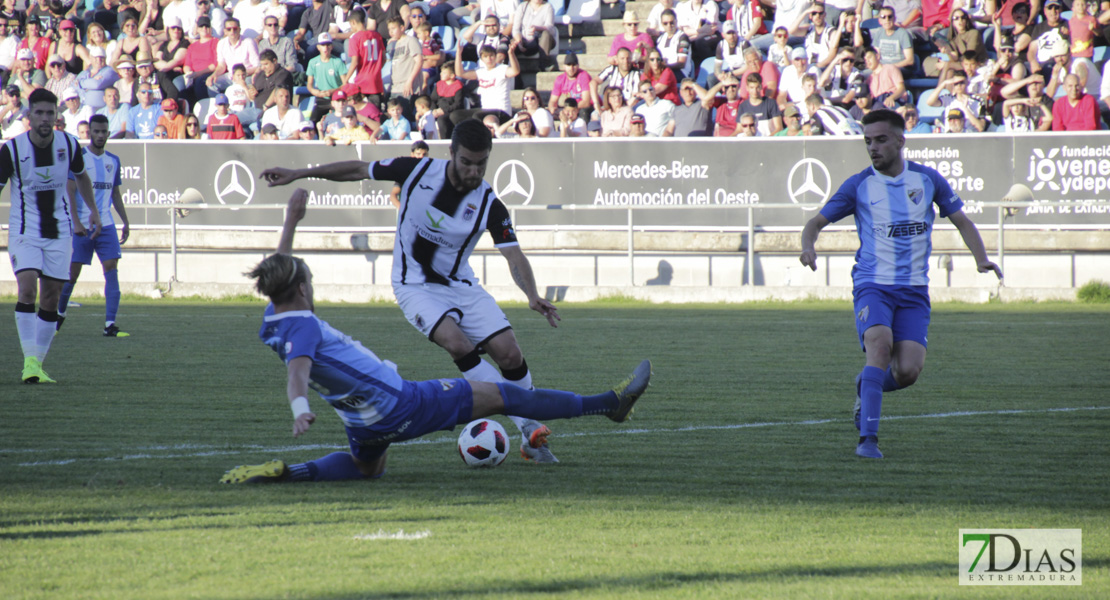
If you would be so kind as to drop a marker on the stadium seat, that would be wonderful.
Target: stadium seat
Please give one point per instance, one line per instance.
(578, 11)
(871, 23)
(203, 109)
(1101, 54)
(704, 69)
(927, 113)
(447, 34)
(306, 106)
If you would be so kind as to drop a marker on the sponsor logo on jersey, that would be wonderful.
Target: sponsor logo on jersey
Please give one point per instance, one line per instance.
(433, 222)
(447, 384)
(906, 229)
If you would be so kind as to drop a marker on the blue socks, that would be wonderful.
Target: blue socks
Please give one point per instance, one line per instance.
(111, 294)
(543, 405)
(889, 384)
(337, 466)
(871, 400)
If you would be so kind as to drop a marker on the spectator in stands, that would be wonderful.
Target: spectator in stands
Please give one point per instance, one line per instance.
(1015, 116)
(768, 72)
(818, 42)
(117, 114)
(844, 38)
(316, 20)
(269, 133)
(573, 82)
(407, 67)
(747, 17)
(492, 124)
(222, 125)
(534, 31)
(542, 120)
(914, 124)
(250, 14)
(1084, 28)
(503, 10)
(790, 82)
(74, 111)
(270, 77)
(834, 120)
(728, 105)
(75, 55)
(172, 120)
(637, 42)
(623, 76)
(286, 117)
(778, 53)
(1064, 64)
(520, 126)
(58, 78)
(215, 15)
(954, 122)
(654, 21)
(793, 121)
(182, 12)
(1039, 110)
(894, 43)
(13, 120)
(786, 17)
(863, 103)
(1104, 93)
(200, 62)
(1076, 110)
(490, 35)
(1046, 37)
(241, 94)
(233, 49)
(690, 117)
(661, 78)
(324, 76)
(951, 93)
(425, 122)
(132, 43)
(637, 127)
(907, 14)
(340, 28)
(674, 45)
(307, 132)
(169, 56)
(98, 77)
(935, 18)
(747, 126)
(431, 51)
(396, 127)
(34, 41)
(729, 56)
(447, 97)
(144, 115)
(766, 110)
(570, 124)
(282, 47)
(838, 79)
(699, 19)
(145, 72)
(887, 86)
(127, 84)
(380, 13)
(369, 115)
(494, 84)
(160, 133)
(615, 115)
(366, 55)
(960, 37)
(658, 112)
(25, 75)
(1010, 64)
(9, 46)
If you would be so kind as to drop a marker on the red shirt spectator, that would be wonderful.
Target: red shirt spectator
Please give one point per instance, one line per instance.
(1075, 111)
(367, 59)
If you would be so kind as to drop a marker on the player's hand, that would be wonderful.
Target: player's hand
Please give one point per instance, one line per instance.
(809, 259)
(78, 229)
(546, 309)
(987, 265)
(297, 206)
(276, 176)
(302, 423)
(125, 233)
(94, 225)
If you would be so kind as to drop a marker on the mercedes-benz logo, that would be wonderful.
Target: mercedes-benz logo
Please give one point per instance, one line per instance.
(519, 181)
(229, 181)
(808, 182)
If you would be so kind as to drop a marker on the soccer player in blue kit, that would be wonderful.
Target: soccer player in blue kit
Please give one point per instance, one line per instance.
(892, 201)
(103, 168)
(376, 406)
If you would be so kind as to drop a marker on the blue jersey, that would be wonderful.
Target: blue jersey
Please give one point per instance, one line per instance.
(104, 172)
(357, 384)
(894, 219)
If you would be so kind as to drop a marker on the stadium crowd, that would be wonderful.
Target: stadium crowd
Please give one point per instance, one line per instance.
(341, 72)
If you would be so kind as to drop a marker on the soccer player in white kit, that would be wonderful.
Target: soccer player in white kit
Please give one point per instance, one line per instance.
(41, 223)
(892, 201)
(445, 205)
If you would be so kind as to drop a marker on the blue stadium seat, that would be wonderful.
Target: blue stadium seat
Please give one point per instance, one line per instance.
(447, 34)
(1101, 54)
(306, 106)
(704, 69)
(869, 23)
(927, 113)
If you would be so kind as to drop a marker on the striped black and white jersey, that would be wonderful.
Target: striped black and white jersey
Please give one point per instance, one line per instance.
(837, 121)
(437, 227)
(39, 202)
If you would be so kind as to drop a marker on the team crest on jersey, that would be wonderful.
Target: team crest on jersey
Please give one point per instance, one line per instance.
(447, 384)
(468, 214)
(61, 153)
(863, 314)
(915, 195)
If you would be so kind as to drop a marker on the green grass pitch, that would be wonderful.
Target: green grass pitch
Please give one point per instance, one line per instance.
(735, 479)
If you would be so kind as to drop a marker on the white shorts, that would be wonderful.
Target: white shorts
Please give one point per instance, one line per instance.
(49, 257)
(476, 312)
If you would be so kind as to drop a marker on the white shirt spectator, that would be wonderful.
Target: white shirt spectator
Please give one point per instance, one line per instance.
(656, 116)
(8, 48)
(493, 88)
(288, 126)
(251, 17)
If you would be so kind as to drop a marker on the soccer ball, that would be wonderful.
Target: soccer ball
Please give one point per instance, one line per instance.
(483, 443)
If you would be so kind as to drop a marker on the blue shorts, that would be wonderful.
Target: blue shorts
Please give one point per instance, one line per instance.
(106, 245)
(905, 309)
(425, 407)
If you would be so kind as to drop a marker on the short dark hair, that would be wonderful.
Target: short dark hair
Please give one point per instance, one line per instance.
(419, 145)
(754, 77)
(472, 135)
(268, 55)
(884, 116)
(357, 16)
(103, 119)
(42, 95)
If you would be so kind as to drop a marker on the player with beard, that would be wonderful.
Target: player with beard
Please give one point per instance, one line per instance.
(42, 220)
(104, 169)
(445, 204)
(892, 201)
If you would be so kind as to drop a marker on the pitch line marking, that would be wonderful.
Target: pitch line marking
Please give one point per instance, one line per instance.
(203, 450)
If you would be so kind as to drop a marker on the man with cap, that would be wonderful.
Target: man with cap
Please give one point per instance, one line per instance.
(307, 133)
(951, 93)
(793, 121)
(25, 75)
(222, 125)
(269, 132)
(9, 45)
(1047, 36)
(116, 112)
(790, 82)
(36, 42)
(954, 122)
(58, 79)
(94, 80)
(366, 52)
(862, 101)
(200, 62)
(636, 41)
(12, 113)
(74, 111)
(324, 77)
(283, 47)
(144, 116)
(637, 126)
(573, 82)
(146, 73)
(172, 120)
(730, 54)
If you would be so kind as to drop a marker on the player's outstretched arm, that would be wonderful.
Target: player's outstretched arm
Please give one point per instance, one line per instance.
(297, 391)
(521, 271)
(350, 170)
(294, 212)
(121, 210)
(970, 233)
(809, 240)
